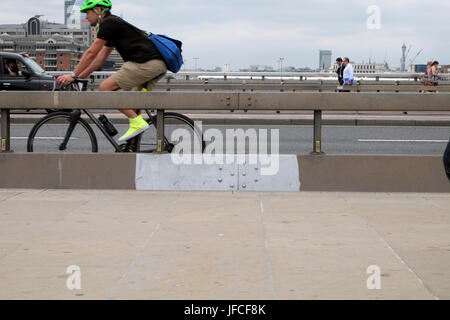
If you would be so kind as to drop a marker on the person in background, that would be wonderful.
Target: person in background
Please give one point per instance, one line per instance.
(427, 72)
(348, 72)
(340, 70)
(433, 75)
(11, 67)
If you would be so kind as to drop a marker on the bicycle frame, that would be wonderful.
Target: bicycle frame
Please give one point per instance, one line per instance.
(76, 114)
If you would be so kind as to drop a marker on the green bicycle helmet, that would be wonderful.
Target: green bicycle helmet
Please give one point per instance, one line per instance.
(91, 4)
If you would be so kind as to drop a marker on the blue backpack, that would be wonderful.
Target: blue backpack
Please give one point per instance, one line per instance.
(170, 50)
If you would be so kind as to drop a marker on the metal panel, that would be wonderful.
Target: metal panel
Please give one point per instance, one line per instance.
(160, 172)
(286, 178)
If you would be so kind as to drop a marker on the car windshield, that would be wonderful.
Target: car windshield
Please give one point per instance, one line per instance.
(34, 66)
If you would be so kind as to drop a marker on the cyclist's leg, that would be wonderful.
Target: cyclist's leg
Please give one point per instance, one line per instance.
(152, 83)
(125, 79)
(111, 85)
(133, 76)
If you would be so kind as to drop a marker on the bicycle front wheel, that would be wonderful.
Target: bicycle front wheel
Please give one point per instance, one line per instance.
(48, 135)
(186, 132)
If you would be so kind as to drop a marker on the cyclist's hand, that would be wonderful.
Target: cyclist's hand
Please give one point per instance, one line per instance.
(64, 81)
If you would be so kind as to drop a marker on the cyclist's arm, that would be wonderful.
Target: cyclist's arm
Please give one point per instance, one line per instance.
(96, 63)
(89, 56)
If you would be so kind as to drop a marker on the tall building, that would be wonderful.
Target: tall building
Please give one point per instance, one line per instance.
(54, 46)
(68, 7)
(73, 18)
(324, 60)
(403, 59)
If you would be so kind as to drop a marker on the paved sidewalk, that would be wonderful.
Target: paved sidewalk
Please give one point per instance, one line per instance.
(223, 245)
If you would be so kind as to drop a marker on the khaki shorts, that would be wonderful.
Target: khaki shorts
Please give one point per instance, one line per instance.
(136, 76)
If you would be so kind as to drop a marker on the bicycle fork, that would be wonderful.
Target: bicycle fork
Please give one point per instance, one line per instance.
(74, 116)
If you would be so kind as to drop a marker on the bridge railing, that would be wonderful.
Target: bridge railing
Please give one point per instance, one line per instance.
(296, 87)
(316, 102)
(301, 77)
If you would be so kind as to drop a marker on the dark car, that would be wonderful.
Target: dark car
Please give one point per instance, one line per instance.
(19, 72)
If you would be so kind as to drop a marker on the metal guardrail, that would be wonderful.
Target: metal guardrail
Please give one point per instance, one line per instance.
(312, 81)
(296, 87)
(301, 76)
(267, 76)
(221, 100)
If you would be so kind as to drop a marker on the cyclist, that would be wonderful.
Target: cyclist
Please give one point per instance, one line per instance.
(143, 65)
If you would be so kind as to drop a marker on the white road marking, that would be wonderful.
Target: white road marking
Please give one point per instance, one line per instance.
(392, 140)
(42, 138)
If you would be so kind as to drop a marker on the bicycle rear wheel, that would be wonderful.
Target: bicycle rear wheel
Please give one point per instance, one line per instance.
(48, 134)
(147, 142)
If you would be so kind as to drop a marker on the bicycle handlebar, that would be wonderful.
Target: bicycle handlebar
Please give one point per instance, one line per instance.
(71, 86)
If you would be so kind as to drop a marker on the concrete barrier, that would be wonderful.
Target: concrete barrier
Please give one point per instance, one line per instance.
(368, 173)
(67, 171)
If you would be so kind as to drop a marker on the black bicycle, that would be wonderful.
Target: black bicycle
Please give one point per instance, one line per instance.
(67, 131)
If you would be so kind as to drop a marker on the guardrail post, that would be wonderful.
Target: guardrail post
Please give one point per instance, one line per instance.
(159, 130)
(317, 143)
(6, 133)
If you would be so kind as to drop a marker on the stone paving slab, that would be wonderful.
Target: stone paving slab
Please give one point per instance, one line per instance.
(223, 245)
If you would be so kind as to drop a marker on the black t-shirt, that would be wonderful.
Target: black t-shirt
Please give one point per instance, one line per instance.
(131, 43)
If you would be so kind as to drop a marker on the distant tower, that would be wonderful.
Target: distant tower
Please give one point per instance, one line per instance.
(403, 59)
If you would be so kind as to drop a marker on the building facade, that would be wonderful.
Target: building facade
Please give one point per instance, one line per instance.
(261, 68)
(445, 68)
(417, 68)
(54, 46)
(365, 68)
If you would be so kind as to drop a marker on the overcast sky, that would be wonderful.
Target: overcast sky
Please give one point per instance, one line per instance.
(244, 32)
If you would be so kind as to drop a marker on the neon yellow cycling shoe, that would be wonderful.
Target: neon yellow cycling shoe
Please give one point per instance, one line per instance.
(137, 126)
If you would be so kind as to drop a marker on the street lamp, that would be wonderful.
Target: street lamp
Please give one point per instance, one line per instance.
(196, 59)
(280, 60)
